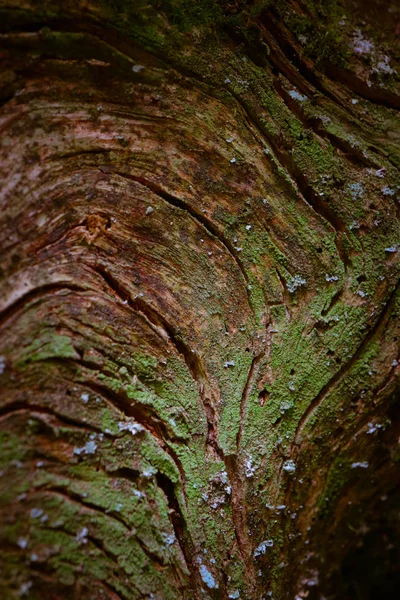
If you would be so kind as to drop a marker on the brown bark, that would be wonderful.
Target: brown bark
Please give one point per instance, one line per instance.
(199, 300)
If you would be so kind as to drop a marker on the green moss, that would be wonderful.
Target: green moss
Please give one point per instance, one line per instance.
(48, 345)
(12, 449)
(321, 35)
(186, 15)
(311, 157)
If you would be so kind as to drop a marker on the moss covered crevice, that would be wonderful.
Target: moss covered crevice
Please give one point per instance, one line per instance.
(199, 299)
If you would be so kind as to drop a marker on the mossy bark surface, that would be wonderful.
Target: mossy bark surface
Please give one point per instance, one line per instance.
(199, 299)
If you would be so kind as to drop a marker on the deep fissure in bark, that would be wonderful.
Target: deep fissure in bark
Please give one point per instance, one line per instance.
(200, 230)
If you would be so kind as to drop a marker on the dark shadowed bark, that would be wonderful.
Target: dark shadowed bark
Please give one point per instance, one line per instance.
(199, 299)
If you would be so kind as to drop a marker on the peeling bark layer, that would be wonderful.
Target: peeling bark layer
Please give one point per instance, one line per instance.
(199, 302)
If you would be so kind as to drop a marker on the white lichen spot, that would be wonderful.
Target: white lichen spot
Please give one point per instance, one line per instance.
(138, 493)
(207, 577)
(149, 472)
(88, 448)
(2, 364)
(137, 68)
(325, 119)
(149, 210)
(36, 513)
(229, 363)
(227, 80)
(395, 363)
(85, 397)
(361, 45)
(360, 465)
(134, 428)
(289, 466)
(222, 477)
(250, 469)
(312, 580)
(248, 227)
(355, 190)
(380, 172)
(379, 60)
(81, 536)
(296, 96)
(382, 65)
(25, 587)
(295, 282)
(230, 140)
(387, 191)
(22, 542)
(392, 249)
(372, 427)
(168, 538)
(262, 548)
(233, 160)
(281, 507)
(234, 595)
(285, 405)
(331, 278)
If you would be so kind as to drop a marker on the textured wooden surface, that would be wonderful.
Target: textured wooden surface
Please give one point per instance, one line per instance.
(199, 304)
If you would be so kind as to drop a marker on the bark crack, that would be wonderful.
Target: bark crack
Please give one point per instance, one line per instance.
(345, 368)
(160, 325)
(21, 406)
(23, 301)
(299, 183)
(200, 218)
(90, 507)
(245, 397)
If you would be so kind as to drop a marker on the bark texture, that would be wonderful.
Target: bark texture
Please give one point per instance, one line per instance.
(199, 299)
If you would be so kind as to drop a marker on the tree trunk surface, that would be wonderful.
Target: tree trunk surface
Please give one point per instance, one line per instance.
(199, 299)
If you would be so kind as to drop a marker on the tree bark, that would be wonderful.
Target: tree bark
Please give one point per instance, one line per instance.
(199, 299)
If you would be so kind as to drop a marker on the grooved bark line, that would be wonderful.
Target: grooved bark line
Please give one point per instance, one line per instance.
(199, 301)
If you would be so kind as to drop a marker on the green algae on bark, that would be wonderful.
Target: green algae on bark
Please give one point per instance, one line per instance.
(199, 300)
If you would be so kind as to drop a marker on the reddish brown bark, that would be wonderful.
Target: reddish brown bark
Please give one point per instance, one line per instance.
(199, 300)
